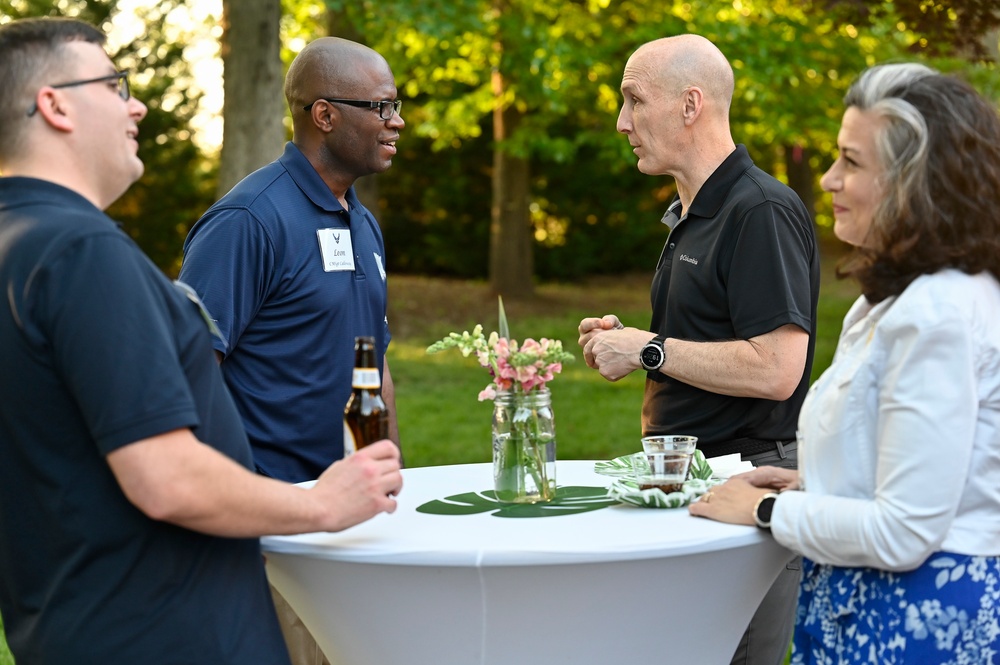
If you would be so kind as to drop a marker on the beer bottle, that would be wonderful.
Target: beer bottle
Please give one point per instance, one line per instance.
(366, 419)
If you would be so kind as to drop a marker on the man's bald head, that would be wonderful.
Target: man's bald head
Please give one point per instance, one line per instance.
(680, 62)
(330, 66)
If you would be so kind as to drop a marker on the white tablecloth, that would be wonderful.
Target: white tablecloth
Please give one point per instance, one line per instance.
(597, 587)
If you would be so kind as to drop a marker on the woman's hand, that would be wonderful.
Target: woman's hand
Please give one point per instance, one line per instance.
(732, 502)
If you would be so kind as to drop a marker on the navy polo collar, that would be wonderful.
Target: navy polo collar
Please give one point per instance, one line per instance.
(308, 180)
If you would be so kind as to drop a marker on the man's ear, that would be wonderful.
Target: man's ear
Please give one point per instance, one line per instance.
(54, 109)
(324, 116)
(693, 101)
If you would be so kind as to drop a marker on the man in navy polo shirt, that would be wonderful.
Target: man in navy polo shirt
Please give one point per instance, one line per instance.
(292, 268)
(729, 351)
(129, 511)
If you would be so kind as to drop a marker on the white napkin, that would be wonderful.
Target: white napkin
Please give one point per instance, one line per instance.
(725, 466)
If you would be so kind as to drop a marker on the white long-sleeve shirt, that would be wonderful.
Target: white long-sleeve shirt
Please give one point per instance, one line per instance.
(899, 440)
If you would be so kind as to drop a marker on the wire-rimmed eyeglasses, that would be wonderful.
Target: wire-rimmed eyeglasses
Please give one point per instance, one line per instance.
(119, 78)
(386, 107)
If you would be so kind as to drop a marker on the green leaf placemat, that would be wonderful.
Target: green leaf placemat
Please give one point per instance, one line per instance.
(569, 500)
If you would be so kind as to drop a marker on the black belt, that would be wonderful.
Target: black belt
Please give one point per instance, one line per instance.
(744, 446)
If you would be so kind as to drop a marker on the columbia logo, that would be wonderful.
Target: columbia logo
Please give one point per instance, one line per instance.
(692, 261)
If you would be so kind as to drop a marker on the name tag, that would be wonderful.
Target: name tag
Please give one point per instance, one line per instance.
(336, 249)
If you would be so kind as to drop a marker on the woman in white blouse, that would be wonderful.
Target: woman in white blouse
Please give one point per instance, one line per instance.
(896, 504)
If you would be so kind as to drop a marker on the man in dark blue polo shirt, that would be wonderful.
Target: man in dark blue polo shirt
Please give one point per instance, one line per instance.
(292, 267)
(129, 513)
(729, 351)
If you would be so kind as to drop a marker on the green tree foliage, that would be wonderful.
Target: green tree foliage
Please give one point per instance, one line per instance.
(562, 62)
(444, 56)
(942, 27)
(178, 182)
(591, 211)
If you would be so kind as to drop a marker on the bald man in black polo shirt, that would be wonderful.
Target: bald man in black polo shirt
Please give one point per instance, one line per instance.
(730, 347)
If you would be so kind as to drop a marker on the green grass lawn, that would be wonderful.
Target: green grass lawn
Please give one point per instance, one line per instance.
(5, 657)
(440, 419)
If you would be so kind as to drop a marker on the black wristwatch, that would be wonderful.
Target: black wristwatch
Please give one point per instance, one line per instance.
(652, 355)
(762, 511)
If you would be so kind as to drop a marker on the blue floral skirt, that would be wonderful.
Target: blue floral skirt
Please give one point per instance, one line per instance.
(947, 611)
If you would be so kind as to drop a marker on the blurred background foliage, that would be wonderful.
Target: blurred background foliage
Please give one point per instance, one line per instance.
(557, 64)
(591, 212)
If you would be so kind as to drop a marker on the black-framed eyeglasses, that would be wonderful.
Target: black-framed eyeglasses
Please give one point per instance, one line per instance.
(386, 107)
(120, 78)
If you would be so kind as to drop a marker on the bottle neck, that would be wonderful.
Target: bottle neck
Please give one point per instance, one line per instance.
(366, 374)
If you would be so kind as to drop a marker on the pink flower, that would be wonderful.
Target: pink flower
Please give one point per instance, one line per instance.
(521, 368)
(531, 346)
(526, 375)
(507, 371)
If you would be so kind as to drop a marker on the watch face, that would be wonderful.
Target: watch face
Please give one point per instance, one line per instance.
(766, 506)
(764, 510)
(651, 357)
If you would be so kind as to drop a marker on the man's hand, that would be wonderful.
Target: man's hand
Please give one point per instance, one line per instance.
(593, 326)
(771, 477)
(611, 348)
(361, 486)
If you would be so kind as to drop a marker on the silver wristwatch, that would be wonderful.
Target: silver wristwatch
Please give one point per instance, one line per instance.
(652, 355)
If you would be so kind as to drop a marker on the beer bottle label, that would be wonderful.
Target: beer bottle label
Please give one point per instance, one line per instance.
(350, 445)
(366, 377)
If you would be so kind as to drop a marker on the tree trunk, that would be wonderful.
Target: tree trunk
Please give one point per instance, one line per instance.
(253, 129)
(800, 175)
(511, 262)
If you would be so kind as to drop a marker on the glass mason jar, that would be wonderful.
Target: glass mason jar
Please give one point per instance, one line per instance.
(524, 447)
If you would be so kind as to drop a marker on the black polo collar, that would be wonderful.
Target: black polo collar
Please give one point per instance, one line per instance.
(715, 191)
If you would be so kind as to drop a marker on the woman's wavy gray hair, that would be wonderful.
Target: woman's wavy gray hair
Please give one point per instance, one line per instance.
(903, 143)
(938, 144)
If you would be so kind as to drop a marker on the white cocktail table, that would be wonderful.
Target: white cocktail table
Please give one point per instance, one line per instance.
(620, 584)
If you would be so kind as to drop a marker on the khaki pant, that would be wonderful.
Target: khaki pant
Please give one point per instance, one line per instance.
(302, 648)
